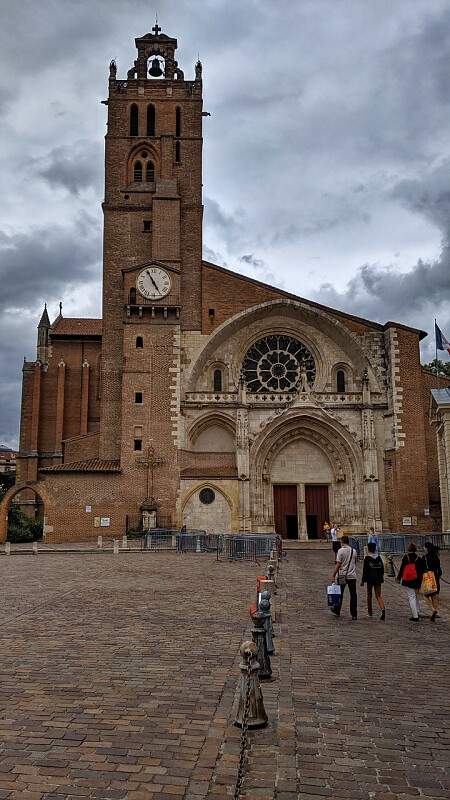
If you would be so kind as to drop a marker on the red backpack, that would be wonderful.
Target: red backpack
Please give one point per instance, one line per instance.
(410, 572)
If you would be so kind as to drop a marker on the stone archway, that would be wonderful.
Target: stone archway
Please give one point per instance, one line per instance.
(215, 515)
(36, 487)
(304, 435)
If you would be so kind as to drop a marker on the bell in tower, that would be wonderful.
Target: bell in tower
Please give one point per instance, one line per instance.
(155, 70)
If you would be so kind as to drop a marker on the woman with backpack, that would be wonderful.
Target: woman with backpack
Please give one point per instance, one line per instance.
(373, 572)
(432, 563)
(410, 576)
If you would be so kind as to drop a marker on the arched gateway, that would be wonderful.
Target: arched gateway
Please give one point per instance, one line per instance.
(306, 469)
(38, 490)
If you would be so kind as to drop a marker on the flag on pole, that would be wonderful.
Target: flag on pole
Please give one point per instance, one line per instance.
(441, 342)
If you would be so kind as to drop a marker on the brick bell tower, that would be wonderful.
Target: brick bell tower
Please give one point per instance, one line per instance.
(152, 249)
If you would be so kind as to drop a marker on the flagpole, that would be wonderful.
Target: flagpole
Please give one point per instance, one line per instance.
(435, 342)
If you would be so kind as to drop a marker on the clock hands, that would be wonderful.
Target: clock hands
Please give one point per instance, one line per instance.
(154, 284)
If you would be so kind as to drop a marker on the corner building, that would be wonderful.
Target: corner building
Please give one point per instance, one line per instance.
(203, 397)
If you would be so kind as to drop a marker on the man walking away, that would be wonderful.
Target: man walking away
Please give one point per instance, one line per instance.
(345, 570)
(373, 572)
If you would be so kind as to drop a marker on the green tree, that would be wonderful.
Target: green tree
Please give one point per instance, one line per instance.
(438, 367)
(6, 481)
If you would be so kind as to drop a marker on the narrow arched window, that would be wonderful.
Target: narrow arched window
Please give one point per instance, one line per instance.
(150, 172)
(340, 380)
(134, 120)
(177, 152)
(138, 172)
(178, 121)
(132, 297)
(151, 120)
(217, 380)
(139, 343)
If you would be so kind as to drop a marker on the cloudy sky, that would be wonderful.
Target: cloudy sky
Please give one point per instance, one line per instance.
(326, 158)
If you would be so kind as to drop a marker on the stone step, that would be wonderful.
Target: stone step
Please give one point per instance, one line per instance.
(310, 544)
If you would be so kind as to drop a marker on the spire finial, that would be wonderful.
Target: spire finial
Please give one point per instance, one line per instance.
(60, 308)
(156, 29)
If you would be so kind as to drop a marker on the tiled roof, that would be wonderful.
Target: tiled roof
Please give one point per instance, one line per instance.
(76, 326)
(209, 472)
(90, 465)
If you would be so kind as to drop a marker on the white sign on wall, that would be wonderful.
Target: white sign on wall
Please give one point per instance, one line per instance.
(88, 509)
(407, 521)
(105, 522)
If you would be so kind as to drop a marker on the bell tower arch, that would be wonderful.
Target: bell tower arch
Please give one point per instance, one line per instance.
(152, 211)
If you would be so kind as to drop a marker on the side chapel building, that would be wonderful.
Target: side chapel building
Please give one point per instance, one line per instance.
(203, 397)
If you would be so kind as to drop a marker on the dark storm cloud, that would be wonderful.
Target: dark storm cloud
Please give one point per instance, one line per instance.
(44, 263)
(75, 168)
(381, 293)
(428, 195)
(327, 149)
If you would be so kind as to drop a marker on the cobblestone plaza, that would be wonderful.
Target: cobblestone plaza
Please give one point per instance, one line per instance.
(119, 673)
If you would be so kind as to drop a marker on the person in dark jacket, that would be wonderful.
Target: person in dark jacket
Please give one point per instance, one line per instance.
(431, 561)
(372, 575)
(410, 576)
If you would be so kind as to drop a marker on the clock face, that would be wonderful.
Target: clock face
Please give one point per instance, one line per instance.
(153, 283)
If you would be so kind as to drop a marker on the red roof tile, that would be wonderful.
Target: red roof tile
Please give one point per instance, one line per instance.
(90, 465)
(76, 326)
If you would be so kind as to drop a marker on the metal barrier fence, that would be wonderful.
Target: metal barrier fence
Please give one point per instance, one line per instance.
(246, 547)
(396, 543)
(166, 538)
(200, 542)
(233, 547)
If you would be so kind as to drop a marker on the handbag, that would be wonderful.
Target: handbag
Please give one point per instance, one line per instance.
(333, 595)
(429, 584)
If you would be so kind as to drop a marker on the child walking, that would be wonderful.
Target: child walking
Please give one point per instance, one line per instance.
(373, 576)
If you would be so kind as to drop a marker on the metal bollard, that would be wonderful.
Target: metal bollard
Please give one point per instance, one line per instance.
(269, 586)
(262, 656)
(265, 595)
(198, 545)
(115, 547)
(35, 548)
(251, 712)
(100, 542)
(264, 607)
(390, 570)
(7, 548)
(124, 542)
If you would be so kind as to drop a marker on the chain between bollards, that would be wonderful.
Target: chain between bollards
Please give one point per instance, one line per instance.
(244, 738)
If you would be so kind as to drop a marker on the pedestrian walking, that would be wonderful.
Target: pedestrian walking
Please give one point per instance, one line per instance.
(373, 577)
(410, 576)
(335, 543)
(345, 572)
(432, 563)
(373, 538)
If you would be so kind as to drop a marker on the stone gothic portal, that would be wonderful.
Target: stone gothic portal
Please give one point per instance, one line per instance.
(301, 477)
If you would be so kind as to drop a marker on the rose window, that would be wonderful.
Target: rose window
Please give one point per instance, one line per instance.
(278, 364)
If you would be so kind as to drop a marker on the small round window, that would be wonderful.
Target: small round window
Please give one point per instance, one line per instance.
(207, 496)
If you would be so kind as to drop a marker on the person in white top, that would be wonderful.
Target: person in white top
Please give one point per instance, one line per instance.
(335, 543)
(345, 572)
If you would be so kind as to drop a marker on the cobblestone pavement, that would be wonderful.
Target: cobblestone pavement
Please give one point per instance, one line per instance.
(115, 671)
(118, 678)
(358, 709)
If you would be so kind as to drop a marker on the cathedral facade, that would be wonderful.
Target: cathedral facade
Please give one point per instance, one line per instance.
(202, 397)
